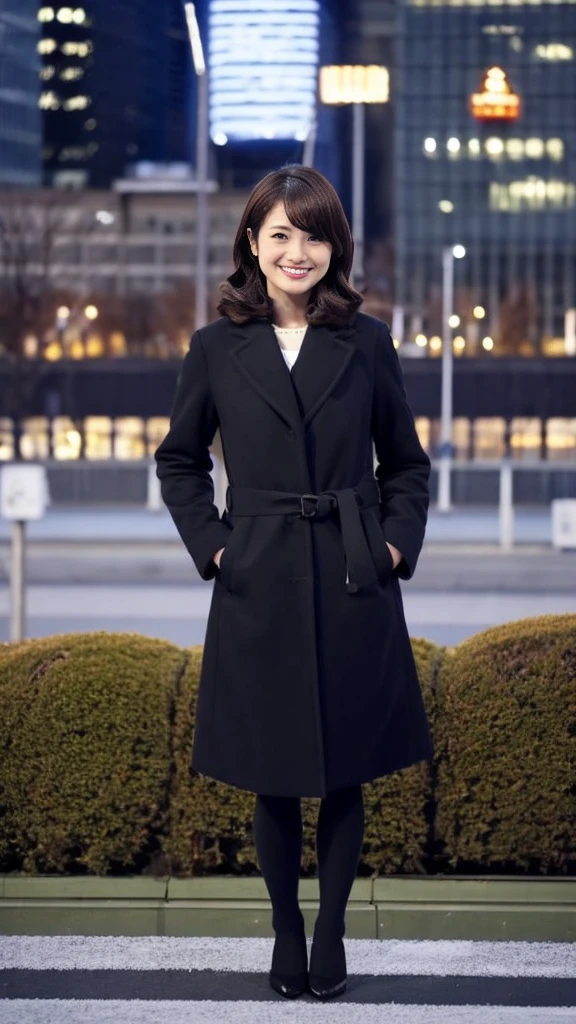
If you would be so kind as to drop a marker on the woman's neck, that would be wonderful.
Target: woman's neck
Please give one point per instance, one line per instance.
(287, 312)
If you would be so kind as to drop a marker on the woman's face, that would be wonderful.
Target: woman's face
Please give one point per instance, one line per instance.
(293, 261)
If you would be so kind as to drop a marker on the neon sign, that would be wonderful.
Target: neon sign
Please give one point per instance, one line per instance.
(497, 101)
(263, 68)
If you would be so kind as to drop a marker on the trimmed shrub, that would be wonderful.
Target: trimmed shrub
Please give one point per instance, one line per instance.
(210, 823)
(85, 723)
(506, 747)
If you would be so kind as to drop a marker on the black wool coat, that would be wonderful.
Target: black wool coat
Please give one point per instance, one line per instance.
(308, 682)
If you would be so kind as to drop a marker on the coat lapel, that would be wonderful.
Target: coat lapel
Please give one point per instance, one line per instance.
(295, 395)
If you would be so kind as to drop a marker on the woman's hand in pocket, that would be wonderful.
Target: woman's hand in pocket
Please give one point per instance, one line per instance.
(397, 555)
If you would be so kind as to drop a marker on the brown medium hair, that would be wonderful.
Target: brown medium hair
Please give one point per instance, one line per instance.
(312, 204)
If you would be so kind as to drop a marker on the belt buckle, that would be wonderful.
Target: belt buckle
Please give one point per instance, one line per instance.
(304, 514)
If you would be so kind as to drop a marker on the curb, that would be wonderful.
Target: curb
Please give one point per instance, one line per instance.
(394, 907)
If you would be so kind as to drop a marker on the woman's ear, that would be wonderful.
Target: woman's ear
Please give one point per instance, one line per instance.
(252, 241)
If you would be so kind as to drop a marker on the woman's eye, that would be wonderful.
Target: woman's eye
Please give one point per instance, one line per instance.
(279, 234)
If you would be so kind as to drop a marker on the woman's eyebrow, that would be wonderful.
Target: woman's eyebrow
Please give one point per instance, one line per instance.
(282, 227)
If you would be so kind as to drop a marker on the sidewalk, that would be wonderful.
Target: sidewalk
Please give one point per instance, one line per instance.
(136, 524)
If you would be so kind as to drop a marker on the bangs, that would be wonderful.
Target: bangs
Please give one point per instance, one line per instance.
(310, 209)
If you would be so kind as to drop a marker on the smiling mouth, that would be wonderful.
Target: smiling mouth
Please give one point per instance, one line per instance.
(296, 272)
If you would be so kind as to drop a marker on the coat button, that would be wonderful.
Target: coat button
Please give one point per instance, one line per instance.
(291, 434)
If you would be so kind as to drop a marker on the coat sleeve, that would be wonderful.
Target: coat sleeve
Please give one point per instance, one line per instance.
(403, 467)
(183, 463)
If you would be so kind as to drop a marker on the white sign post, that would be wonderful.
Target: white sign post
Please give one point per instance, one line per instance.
(23, 496)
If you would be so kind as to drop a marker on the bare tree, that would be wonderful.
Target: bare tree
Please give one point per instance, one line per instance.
(31, 228)
(518, 322)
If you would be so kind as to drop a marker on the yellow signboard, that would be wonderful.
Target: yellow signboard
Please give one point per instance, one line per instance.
(497, 101)
(354, 83)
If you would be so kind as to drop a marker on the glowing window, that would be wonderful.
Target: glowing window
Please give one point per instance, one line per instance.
(47, 46)
(561, 438)
(71, 74)
(76, 49)
(555, 149)
(489, 438)
(514, 149)
(535, 148)
(494, 146)
(76, 103)
(49, 101)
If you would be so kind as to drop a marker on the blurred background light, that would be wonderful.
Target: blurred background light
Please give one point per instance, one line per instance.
(263, 62)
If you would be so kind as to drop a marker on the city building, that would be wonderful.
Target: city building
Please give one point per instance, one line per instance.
(116, 88)
(263, 64)
(20, 121)
(485, 157)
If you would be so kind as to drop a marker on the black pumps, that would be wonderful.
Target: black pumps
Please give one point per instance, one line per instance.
(327, 976)
(289, 972)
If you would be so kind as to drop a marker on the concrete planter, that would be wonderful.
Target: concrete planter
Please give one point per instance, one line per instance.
(407, 907)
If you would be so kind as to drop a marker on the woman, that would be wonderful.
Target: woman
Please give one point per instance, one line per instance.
(308, 684)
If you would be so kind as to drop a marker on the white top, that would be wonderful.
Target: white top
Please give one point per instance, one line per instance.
(290, 339)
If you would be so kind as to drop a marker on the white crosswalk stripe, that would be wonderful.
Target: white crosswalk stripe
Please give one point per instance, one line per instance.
(171, 980)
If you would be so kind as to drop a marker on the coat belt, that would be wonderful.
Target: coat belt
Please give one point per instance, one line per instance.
(250, 501)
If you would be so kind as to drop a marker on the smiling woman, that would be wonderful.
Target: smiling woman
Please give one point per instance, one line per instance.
(293, 253)
(308, 685)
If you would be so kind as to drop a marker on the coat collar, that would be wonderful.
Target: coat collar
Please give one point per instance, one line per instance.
(295, 395)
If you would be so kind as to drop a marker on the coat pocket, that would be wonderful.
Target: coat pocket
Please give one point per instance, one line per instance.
(381, 556)
(227, 560)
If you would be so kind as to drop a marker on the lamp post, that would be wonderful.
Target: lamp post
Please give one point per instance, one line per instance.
(357, 85)
(358, 190)
(448, 256)
(202, 142)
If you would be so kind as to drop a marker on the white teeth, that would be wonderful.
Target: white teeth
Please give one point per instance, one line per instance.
(294, 272)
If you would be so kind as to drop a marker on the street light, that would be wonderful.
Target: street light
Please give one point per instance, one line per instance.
(448, 256)
(357, 85)
(202, 140)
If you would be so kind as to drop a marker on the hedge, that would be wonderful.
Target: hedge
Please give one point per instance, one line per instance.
(96, 731)
(85, 738)
(506, 747)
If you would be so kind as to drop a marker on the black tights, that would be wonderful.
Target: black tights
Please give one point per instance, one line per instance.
(278, 836)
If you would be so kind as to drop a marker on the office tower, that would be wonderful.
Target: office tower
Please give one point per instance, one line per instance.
(20, 122)
(117, 83)
(485, 157)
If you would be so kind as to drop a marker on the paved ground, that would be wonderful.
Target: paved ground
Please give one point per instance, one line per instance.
(462, 526)
(127, 570)
(78, 980)
(179, 613)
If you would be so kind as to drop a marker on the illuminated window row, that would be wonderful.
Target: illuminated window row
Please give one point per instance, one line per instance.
(66, 75)
(65, 15)
(70, 49)
(132, 438)
(554, 52)
(128, 437)
(51, 101)
(532, 194)
(494, 147)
